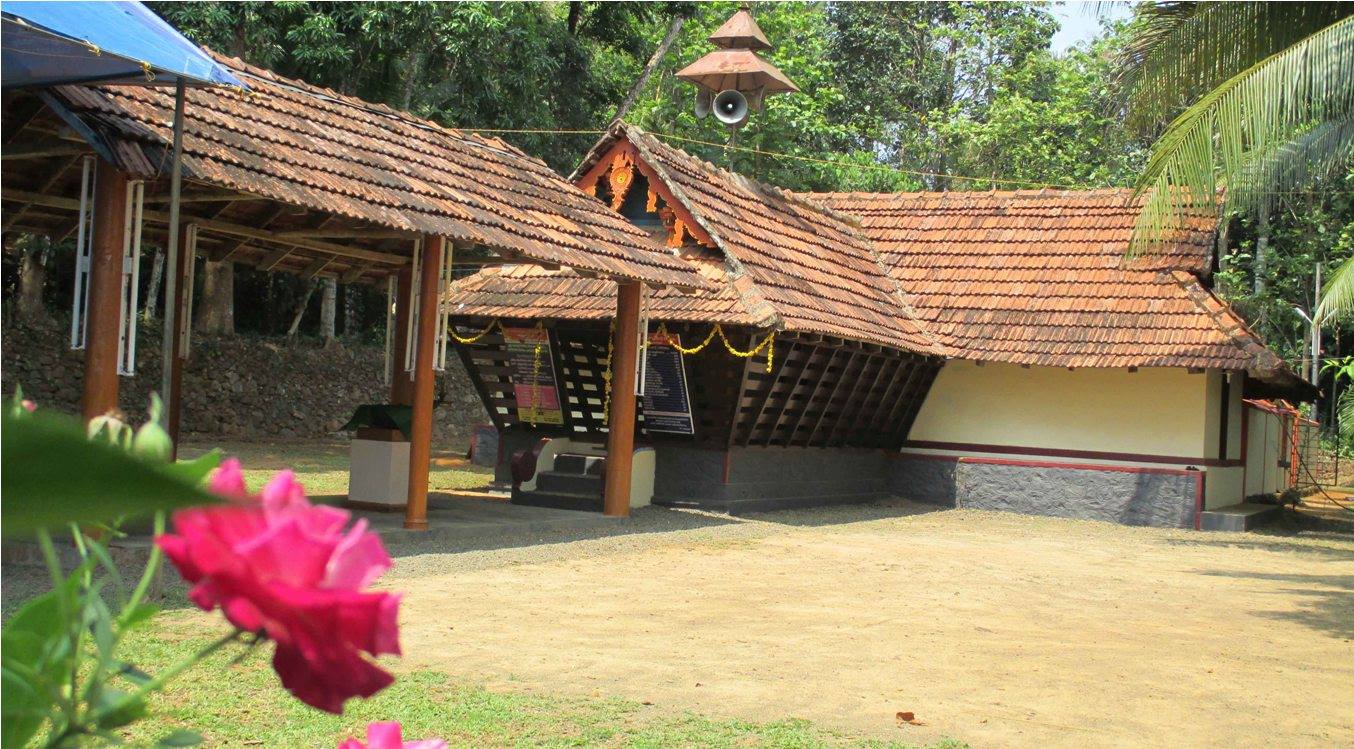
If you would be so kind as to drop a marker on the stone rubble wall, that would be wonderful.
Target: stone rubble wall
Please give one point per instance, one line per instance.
(236, 386)
(1152, 498)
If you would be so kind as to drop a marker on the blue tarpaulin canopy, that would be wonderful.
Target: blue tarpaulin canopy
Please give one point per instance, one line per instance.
(53, 43)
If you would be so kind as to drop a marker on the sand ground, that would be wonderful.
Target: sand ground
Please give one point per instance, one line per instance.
(995, 629)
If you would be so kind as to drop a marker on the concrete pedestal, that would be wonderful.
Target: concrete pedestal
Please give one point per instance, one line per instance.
(378, 475)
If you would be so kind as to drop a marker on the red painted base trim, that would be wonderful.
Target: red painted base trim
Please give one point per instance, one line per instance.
(1075, 466)
(1059, 453)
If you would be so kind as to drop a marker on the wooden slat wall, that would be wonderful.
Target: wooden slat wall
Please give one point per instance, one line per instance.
(832, 393)
(821, 392)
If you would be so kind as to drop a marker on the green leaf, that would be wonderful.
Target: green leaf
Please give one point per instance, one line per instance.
(52, 476)
(195, 471)
(23, 708)
(110, 714)
(181, 737)
(142, 613)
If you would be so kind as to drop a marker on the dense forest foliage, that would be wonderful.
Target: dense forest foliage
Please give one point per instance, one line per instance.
(895, 96)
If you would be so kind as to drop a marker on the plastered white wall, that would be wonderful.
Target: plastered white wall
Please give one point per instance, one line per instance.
(1154, 411)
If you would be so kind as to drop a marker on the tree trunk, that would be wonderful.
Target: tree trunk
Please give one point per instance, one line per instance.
(944, 100)
(328, 310)
(301, 308)
(32, 277)
(650, 66)
(413, 67)
(157, 272)
(1261, 267)
(216, 307)
(1223, 250)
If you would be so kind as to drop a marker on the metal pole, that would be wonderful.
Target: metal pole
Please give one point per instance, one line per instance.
(1316, 332)
(172, 255)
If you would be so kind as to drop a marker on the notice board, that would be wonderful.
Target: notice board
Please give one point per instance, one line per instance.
(533, 378)
(667, 403)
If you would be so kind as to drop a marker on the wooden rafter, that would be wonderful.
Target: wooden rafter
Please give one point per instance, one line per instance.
(223, 227)
(40, 150)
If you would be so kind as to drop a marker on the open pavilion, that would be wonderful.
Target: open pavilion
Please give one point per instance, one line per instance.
(286, 176)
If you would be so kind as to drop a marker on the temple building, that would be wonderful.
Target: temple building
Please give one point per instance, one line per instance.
(980, 349)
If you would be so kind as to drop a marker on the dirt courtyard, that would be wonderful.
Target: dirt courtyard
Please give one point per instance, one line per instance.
(994, 629)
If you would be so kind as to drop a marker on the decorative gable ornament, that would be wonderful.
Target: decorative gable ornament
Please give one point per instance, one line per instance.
(733, 80)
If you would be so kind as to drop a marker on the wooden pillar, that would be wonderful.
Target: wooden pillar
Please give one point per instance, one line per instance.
(183, 286)
(420, 441)
(401, 384)
(620, 442)
(105, 293)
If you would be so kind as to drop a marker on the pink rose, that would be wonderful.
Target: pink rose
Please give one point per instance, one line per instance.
(278, 566)
(387, 736)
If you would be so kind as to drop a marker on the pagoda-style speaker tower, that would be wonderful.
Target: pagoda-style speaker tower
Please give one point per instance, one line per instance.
(732, 81)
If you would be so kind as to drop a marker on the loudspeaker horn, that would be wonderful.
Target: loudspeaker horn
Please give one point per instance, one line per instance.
(704, 103)
(731, 108)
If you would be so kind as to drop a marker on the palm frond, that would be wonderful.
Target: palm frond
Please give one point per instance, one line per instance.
(1313, 155)
(1337, 297)
(1177, 51)
(1346, 412)
(1256, 111)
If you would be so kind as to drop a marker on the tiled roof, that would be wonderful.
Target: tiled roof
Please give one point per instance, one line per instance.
(530, 292)
(816, 272)
(1040, 278)
(295, 143)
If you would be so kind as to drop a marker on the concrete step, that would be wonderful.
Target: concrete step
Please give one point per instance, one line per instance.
(558, 500)
(1239, 517)
(594, 465)
(569, 483)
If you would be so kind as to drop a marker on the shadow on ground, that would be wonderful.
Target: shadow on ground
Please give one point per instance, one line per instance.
(843, 514)
(1328, 600)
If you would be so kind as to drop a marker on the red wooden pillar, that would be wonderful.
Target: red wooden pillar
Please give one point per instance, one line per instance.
(420, 441)
(620, 443)
(105, 293)
(401, 384)
(183, 286)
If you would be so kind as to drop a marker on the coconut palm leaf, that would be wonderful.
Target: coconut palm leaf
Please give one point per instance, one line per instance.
(1314, 155)
(1337, 297)
(1255, 112)
(1178, 51)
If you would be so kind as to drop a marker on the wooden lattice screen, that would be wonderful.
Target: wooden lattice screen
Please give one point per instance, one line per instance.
(821, 392)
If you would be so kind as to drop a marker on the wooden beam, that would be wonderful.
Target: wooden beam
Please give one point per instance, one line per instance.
(620, 442)
(221, 227)
(352, 274)
(272, 260)
(57, 174)
(315, 267)
(228, 196)
(28, 151)
(226, 253)
(105, 294)
(421, 429)
(16, 121)
(338, 233)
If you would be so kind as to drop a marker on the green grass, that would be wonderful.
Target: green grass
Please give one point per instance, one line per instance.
(322, 465)
(244, 705)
